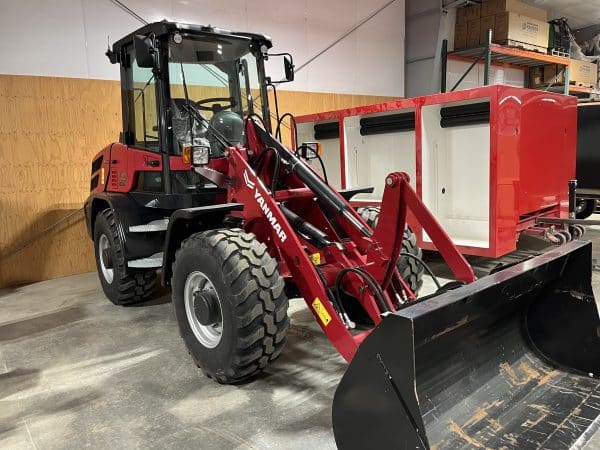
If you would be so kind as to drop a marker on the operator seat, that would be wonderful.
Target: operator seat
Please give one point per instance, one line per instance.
(228, 125)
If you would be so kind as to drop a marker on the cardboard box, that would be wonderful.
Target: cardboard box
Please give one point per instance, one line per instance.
(487, 23)
(460, 36)
(473, 31)
(536, 77)
(460, 16)
(492, 7)
(524, 9)
(489, 8)
(472, 12)
(583, 72)
(515, 27)
(554, 74)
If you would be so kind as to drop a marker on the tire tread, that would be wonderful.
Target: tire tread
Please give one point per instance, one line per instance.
(132, 286)
(258, 300)
(410, 270)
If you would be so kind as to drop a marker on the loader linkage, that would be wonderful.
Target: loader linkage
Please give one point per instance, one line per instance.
(363, 259)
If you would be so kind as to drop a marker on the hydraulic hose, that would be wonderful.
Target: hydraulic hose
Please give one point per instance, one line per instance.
(323, 192)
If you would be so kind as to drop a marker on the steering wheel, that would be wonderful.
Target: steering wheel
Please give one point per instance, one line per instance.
(216, 107)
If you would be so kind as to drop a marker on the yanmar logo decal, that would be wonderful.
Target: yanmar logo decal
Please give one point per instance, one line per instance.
(258, 196)
(249, 183)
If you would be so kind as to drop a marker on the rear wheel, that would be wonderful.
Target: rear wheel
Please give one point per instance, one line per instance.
(410, 269)
(120, 284)
(585, 207)
(230, 303)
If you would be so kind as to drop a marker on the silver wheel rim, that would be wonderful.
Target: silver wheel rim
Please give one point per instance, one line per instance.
(208, 335)
(104, 244)
(580, 206)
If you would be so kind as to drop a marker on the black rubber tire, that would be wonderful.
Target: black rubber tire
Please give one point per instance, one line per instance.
(128, 286)
(253, 303)
(409, 269)
(585, 207)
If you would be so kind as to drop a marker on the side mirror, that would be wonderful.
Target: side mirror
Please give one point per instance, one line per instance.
(144, 52)
(288, 65)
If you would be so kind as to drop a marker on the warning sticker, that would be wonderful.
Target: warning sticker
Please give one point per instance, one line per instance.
(316, 259)
(321, 311)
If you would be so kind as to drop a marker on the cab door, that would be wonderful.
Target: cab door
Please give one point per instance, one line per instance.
(136, 164)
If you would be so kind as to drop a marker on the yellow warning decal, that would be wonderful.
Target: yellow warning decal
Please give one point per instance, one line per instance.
(321, 311)
(316, 259)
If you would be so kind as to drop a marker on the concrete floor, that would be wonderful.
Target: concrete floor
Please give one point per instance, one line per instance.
(77, 372)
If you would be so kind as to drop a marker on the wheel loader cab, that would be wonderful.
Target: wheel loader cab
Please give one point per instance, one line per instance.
(187, 86)
(182, 87)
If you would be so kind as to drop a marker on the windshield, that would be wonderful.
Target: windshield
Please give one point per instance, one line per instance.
(214, 85)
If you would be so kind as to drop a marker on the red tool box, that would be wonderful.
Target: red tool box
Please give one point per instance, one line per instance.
(488, 162)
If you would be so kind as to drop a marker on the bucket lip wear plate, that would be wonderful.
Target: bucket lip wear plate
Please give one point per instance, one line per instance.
(429, 304)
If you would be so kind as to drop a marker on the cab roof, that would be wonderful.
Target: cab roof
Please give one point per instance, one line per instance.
(166, 28)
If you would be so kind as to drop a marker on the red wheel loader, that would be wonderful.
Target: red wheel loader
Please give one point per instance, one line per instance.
(198, 187)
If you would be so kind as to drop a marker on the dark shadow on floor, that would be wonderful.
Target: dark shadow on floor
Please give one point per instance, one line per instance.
(27, 327)
(18, 380)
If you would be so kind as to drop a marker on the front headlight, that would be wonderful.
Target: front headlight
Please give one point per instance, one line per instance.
(200, 155)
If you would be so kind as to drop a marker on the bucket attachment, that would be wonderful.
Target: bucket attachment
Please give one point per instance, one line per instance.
(511, 360)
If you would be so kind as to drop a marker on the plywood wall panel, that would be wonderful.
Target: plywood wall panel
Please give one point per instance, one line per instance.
(49, 130)
(300, 103)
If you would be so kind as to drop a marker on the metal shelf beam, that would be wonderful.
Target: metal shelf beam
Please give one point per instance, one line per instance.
(496, 53)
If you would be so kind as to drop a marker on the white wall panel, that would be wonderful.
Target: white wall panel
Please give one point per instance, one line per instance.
(419, 78)
(69, 37)
(422, 26)
(97, 37)
(498, 75)
(42, 38)
(379, 63)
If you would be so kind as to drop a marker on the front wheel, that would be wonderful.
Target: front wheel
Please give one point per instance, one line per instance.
(229, 303)
(409, 267)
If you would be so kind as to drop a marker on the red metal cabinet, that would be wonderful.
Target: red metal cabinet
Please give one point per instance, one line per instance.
(485, 172)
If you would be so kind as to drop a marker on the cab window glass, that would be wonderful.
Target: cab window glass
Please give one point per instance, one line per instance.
(144, 108)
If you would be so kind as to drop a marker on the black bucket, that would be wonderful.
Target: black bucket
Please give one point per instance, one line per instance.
(509, 361)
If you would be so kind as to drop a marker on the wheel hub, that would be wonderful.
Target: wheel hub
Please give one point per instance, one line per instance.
(206, 307)
(203, 309)
(104, 257)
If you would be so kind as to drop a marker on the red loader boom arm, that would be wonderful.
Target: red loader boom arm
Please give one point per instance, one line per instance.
(345, 245)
